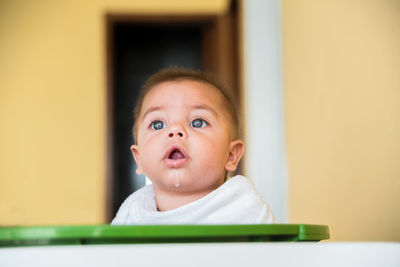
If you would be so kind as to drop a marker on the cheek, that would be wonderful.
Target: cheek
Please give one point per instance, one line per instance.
(148, 151)
(212, 150)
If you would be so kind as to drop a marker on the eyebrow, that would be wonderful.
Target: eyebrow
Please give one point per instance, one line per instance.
(151, 109)
(203, 107)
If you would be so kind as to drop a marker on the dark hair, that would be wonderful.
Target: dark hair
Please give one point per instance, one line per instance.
(182, 74)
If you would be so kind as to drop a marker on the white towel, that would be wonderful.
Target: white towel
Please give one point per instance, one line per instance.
(234, 202)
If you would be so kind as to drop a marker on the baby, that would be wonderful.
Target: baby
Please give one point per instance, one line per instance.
(186, 134)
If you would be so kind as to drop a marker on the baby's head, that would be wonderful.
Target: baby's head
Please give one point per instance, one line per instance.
(186, 131)
(183, 74)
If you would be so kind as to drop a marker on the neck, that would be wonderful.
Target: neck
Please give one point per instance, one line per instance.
(167, 200)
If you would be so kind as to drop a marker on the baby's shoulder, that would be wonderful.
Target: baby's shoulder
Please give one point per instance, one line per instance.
(143, 196)
(140, 194)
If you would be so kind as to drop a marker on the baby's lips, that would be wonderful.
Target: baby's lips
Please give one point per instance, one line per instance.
(175, 162)
(175, 148)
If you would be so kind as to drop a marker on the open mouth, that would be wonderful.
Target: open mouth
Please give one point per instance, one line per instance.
(176, 154)
(175, 157)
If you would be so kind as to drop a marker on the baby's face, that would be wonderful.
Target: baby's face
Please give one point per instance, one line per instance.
(184, 140)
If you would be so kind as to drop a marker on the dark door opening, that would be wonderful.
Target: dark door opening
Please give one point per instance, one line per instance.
(140, 46)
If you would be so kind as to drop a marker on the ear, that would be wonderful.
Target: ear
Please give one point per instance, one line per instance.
(236, 149)
(135, 153)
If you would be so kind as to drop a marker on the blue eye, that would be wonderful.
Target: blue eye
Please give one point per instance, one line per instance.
(198, 123)
(158, 125)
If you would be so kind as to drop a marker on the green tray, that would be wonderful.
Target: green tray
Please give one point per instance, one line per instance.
(107, 234)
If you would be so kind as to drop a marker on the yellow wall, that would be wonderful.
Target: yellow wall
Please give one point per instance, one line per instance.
(342, 83)
(342, 97)
(52, 106)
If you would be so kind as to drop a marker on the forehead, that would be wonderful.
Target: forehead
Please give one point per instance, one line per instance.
(186, 91)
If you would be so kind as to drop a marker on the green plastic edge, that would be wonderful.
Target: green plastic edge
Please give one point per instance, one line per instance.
(106, 234)
(313, 232)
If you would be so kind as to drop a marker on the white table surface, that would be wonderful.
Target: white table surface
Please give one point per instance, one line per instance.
(298, 254)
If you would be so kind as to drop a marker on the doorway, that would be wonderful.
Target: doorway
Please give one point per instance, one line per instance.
(138, 46)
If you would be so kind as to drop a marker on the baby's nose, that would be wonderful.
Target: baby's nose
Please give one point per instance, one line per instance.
(176, 131)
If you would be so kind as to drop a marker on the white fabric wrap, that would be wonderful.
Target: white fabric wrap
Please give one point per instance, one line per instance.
(234, 202)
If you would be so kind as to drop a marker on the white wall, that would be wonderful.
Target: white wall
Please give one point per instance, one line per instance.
(264, 119)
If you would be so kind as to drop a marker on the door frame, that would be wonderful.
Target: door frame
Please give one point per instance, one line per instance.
(221, 56)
